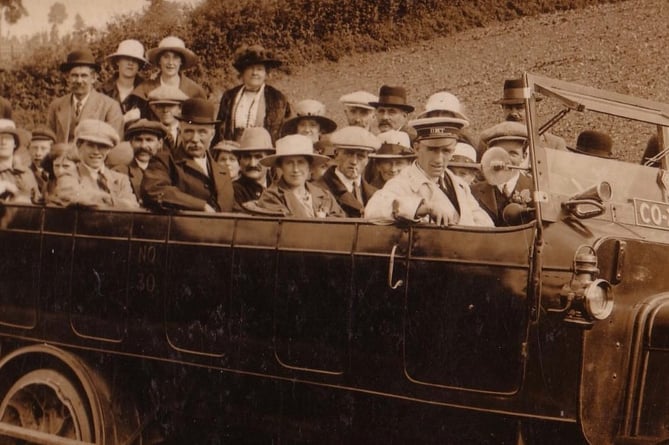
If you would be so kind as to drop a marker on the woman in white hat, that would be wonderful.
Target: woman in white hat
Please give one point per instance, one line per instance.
(292, 195)
(392, 157)
(171, 57)
(128, 60)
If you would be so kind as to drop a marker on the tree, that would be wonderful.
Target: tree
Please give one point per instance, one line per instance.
(57, 15)
(11, 11)
(79, 24)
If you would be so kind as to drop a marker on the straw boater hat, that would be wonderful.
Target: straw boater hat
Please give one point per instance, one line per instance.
(394, 145)
(198, 111)
(594, 143)
(130, 48)
(513, 92)
(309, 109)
(255, 139)
(444, 101)
(355, 138)
(359, 99)
(246, 56)
(79, 57)
(7, 126)
(174, 44)
(294, 145)
(432, 131)
(395, 97)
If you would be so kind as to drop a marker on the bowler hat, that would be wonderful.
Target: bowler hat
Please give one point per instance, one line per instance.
(198, 111)
(43, 133)
(432, 130)
(174, 44)
(246, 56)
(130, 48)
(355, 138)
(309, 109)
(395, 97)
(594, 143)
(7, 126)
(255, 139)
(514, 92)
(293, 145)
(394, 145)
(97, 131)
(145, 126)
(79, 57)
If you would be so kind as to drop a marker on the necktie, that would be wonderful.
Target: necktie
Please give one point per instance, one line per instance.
(505, 190)
(357, 193)
(102, 183)
(77, 109)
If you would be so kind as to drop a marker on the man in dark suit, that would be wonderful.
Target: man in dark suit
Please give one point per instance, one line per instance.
(189, 179)
(83, 102)
(518, 189)
(345, 179)
(146, 139)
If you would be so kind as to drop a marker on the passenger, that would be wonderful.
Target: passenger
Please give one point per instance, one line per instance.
(309, 121)
(352, 146)
(5, 108)
(426, 190)
(17, 184)
(253, 103)
(40, 146)
(127, 61)
(292, 195)
(394, 156)
(513, 109)
(512, 137)
(165, 105)
(62, 158)
(223, 153)
(463, 162)
(594, 143)
(392, 110)
(95, 184)
(172, 57)
(83, 101)
(254, 145)
(358, 111)
(189, 179)
(146, 139)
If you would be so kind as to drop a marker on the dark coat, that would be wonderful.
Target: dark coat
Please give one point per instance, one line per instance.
(493, 201)
(348, 202)
(5, 109)
(130, 102)
(246, 189)
(177, 182)
(135, 174)
(277, 110)
(186, 84)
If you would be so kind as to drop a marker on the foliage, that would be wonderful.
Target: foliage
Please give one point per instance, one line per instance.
(57, 13)
(12, 10)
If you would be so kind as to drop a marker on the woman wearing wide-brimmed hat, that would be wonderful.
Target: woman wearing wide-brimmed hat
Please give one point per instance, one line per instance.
(171, 57)
(128, 60)
(292, 195)
(253, 103)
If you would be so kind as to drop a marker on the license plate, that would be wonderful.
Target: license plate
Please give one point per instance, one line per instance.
(651, 214)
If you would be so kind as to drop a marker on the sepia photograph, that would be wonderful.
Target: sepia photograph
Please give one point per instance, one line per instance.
(336, 222)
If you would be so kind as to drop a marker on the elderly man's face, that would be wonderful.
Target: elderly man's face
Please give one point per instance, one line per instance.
(250, 166)
(434, 158)
(295, 170)
(514, 112)
(390, 118)
(7, 146)
(360, 117)
(351, 163)
(93, 154)
(38, 149)
(80, 79)
(145, 146)
(196, 138)
(254, 76)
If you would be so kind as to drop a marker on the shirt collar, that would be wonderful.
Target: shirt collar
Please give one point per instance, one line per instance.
(348, 183)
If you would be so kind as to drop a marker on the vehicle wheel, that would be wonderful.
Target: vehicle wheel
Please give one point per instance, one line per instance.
(47, 401)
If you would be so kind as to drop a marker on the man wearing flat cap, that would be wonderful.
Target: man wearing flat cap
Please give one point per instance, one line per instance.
(83, 101)
(165, 106)
(357, 108)
(16, 182)
(189, 179)
(146, 139)
(392, 110)
(352, 146)
(512, 137)
(41, 141)
(253, 103)
(513, 110)
(426, 190)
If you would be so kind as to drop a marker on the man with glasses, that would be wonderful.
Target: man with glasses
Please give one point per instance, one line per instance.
(426, 190)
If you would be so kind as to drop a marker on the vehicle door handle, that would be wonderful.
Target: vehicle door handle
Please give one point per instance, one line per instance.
(391, 267)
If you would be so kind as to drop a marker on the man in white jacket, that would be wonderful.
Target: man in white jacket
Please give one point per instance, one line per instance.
(426, 191)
